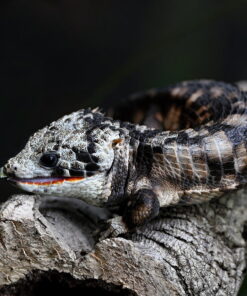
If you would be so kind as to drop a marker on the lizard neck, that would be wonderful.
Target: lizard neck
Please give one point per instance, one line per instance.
(140, 157)
(123, 172)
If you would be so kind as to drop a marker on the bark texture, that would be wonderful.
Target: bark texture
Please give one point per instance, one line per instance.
(196, 250)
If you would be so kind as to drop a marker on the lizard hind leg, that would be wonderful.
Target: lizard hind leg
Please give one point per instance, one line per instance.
(142, 207)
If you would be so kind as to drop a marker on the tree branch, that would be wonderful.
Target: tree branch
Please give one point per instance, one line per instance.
(195, 250)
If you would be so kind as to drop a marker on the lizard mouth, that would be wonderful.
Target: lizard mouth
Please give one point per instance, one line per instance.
(44, 181)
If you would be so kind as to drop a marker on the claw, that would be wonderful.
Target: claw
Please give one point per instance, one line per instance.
(112, 228)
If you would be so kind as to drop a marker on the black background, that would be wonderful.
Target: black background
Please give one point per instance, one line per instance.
(59, 56)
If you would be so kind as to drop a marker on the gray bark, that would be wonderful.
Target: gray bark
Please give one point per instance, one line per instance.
(195, 250)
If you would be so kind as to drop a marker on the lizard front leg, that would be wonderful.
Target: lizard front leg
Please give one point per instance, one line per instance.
(141, 207)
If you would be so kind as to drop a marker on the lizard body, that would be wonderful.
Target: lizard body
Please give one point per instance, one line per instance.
(186, 144)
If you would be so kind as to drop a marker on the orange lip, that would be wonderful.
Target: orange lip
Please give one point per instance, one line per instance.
(46, 181)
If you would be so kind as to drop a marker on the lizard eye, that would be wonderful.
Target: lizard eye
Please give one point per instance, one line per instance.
(49, 159)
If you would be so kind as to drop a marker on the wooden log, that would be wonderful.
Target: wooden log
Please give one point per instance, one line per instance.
(47, 243)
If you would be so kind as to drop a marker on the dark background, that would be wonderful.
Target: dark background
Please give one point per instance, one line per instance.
(57, 56)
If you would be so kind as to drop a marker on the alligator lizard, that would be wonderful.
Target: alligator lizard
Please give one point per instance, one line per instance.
(186, 143)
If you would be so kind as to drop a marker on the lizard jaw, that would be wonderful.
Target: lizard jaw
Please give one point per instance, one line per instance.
(44, 181)
(92, 190)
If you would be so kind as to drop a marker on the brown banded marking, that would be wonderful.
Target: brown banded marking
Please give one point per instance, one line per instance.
(184, 105)
(235, 120)
(172, 119)
(219, 154)
(193, 97)
(203, 114)
(216, 91)
(225, 152)
(240, 158)
(200, 167)
(180, 91)
(187, 172)
(172, 163)
(200, 194)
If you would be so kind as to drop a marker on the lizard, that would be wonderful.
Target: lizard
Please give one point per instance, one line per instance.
(183, 144)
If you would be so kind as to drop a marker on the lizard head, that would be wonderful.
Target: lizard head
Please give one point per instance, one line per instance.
(73, 156)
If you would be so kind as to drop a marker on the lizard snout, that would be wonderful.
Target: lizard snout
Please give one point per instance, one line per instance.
(3, 173)
(7, 171)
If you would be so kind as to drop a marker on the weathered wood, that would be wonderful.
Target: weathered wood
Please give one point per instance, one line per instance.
(196, 250)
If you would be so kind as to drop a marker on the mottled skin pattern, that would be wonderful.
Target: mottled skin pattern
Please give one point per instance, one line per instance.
(190, 146)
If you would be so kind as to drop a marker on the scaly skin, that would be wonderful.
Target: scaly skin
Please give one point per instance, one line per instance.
(190, 147)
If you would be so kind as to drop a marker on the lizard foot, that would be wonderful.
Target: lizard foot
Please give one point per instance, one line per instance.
(112, 228)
